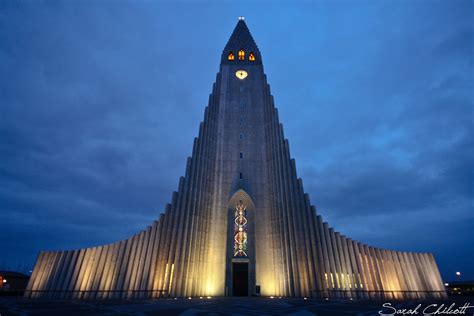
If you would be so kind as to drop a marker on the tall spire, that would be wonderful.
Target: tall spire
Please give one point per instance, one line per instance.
(241, 39)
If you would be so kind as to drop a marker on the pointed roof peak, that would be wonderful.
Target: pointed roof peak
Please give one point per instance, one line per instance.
(241, 34)
(241, 39)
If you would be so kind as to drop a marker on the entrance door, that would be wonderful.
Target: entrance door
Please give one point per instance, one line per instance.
(240, 279)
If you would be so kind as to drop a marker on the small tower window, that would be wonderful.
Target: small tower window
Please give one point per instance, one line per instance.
(241, 54)
(251, 57)
(231, 56)
(241, 155)
(241, 136)
(241, 176)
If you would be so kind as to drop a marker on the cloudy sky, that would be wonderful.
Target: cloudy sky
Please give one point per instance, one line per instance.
(100, 102)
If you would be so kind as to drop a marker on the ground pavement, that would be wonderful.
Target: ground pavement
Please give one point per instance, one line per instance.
(11, 306)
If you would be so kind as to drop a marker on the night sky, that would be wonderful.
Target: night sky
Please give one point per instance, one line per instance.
(100, 102)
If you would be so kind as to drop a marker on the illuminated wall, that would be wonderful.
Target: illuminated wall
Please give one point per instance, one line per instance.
(239, 156)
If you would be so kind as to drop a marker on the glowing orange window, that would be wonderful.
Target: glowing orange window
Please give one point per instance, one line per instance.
(251, 57)
(231, 56)
(241, 55)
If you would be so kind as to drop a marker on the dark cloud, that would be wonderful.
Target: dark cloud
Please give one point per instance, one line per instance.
(100, 103)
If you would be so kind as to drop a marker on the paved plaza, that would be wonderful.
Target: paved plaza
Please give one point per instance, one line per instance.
(10, 306)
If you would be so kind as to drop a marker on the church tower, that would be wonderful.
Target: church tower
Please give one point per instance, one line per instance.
(240, 223)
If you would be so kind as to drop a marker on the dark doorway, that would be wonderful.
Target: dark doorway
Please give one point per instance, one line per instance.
(240, 279)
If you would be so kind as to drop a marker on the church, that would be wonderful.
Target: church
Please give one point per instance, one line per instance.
(240, 223)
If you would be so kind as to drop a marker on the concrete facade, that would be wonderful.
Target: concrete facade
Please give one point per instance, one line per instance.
(239, 156)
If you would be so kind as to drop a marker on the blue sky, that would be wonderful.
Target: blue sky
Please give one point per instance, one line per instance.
(100, 102)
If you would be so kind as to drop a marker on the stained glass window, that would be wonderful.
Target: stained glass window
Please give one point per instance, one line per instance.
(251, 57)
(230, 56)
(240, 230)
(241, 55)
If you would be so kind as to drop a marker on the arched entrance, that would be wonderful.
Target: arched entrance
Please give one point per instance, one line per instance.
(240, 263)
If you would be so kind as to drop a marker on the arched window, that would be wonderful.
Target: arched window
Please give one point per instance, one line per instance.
(251, 57)
(241, 54)
(240, 230)
(231, 56)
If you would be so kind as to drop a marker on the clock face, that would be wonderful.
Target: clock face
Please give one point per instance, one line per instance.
(241, 74)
